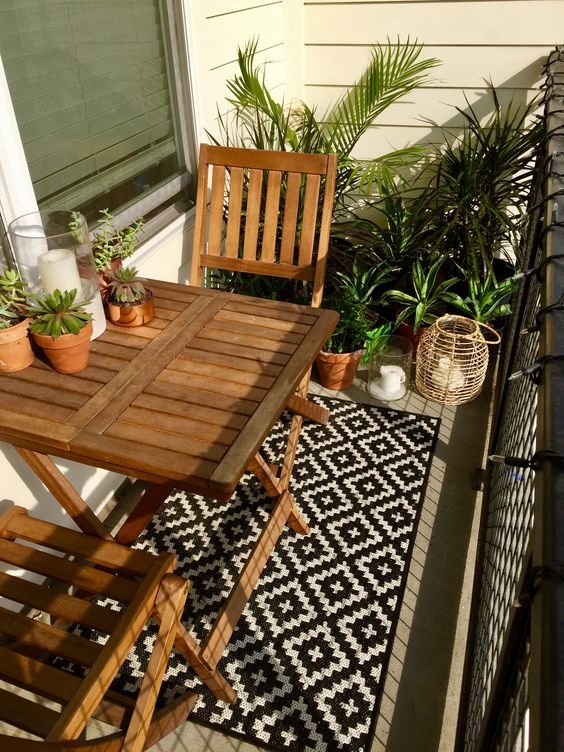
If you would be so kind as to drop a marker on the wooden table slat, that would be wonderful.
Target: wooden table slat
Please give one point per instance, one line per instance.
(179, 424)
(149, 461)
(219, 381)
(241, 351)
(187, 446)
(226, 361)
(226, 371)
(268, 322)
(218, 333)
(202, 396)
(190, 410)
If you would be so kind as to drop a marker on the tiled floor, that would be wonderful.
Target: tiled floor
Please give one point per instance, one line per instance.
(420, 702)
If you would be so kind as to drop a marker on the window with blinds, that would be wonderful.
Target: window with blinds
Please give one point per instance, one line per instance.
(94, 100)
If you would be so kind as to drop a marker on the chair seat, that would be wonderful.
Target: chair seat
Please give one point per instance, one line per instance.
(64, 576)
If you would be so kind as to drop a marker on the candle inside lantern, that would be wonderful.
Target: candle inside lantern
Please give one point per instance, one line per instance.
(58, 270)
(391, 384)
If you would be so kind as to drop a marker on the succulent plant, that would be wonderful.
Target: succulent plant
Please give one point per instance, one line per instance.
(57, 313)
(125, 287)
(110, 244)
(12, 299)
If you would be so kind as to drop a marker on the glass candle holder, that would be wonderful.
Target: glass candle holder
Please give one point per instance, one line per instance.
(52, 251)
(389, 369)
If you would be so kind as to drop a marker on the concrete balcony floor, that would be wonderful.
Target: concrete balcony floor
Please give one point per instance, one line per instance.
(420, 702)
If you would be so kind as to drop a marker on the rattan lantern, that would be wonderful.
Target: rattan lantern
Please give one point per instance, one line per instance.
(452, 359)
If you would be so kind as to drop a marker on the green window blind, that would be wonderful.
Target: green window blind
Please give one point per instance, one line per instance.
(92, 96)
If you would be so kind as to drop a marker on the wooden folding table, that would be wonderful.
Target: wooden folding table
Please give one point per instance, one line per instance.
(184, 402)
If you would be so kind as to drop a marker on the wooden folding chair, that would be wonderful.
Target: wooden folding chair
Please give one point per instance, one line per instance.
(62, 702)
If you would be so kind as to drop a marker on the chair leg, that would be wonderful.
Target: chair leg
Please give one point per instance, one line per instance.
(170, 601)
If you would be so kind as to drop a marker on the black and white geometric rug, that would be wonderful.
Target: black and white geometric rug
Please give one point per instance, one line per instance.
(309, 655)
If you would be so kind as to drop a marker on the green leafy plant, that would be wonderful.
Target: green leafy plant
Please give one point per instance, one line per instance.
(259, 121)
(110, 244)
(353, 300)
(482, 183)
(57, 313)
(486, 299)
(376, 339)
(125, 287)
(12, 299)
(429, 295)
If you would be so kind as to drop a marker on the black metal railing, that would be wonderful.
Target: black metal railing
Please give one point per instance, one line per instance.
(513, 690)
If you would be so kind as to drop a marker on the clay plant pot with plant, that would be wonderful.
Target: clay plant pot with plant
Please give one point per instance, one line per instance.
(62, 329)
(337, 364)
(128, 301)
(487, 301)
(110, 246)
(15, 347)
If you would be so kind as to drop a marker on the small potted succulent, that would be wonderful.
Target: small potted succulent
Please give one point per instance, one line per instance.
(15, 347)
(62, 329)
(128, 301)
(110, 246)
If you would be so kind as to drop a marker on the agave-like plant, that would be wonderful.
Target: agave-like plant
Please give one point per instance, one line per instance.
(259, 121)
(57, 313)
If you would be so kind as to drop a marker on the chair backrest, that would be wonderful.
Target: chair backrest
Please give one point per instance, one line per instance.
(270, 213)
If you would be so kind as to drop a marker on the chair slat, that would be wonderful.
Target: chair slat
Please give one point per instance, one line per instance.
(271, 210)
(38, 677)
(307, 237)
(49, 638)
(216, 210)
(25, 714)
(252, 215)
(236, 175)
(58, 604)
(73, 573)
(290, 217)
(105, 553)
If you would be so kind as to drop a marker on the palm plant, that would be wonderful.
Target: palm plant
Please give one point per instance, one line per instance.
(259, 121)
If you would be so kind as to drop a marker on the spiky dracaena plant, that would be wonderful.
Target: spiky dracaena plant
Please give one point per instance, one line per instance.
(57, 313)
(259, 121)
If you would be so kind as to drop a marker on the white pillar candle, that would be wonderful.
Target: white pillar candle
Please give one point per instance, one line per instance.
(96, 308)
(58, 270)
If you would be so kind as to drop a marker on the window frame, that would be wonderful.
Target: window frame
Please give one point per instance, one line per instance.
(17, 196)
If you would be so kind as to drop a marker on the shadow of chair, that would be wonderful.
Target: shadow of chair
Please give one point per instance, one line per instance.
(96, 587)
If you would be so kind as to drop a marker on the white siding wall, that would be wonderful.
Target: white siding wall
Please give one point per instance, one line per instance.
(217, 28)
(505, 41)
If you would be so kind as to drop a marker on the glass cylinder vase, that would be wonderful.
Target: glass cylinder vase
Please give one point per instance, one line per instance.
(52, 251)
(389, 369)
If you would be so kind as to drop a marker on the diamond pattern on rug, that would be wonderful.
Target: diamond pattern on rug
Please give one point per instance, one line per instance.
(309, 655)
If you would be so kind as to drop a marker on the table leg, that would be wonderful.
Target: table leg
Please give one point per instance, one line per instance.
(67, 496)
(227, 619)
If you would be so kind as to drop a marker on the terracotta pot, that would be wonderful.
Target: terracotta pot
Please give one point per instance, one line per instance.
(15, 348)
(337, 370)
(123, 314)
(69, 352)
